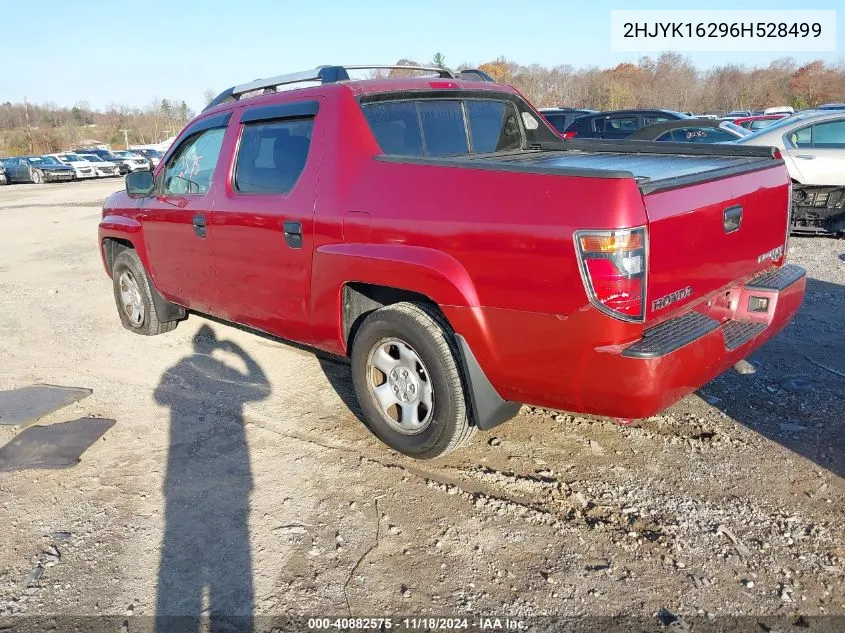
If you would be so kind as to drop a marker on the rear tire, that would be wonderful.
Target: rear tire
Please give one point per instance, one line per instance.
(133, 296)
(408, 381)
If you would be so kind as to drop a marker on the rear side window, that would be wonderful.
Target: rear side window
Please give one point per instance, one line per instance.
(190, 169)
(621, 124)
(272, 155)
(651, 119)
(830, 134)
(802, 137)
(444, 127)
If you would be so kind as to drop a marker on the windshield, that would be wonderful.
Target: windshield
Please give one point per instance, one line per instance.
(788, 120)
(93, 159)
(50, 160)
(73, 158)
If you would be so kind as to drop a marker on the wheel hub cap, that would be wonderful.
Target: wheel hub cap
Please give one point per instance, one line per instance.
(400, 386)
(404, 385)
(130, 298)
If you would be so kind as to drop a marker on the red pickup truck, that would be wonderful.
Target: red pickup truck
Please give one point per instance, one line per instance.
(466, 258)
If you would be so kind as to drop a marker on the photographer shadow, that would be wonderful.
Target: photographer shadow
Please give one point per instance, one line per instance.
(206, 564)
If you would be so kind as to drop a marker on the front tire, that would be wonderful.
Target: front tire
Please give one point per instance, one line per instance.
(133, 296)
(37, 177)
(408, 381)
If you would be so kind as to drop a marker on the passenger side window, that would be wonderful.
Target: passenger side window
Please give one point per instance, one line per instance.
(191, 168)
(651, 119)
(272, 155)
(829, 135)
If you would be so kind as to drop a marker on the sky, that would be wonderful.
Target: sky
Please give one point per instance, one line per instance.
(132, 52)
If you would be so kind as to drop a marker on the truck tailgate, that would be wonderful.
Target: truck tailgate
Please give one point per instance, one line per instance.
(705, 236)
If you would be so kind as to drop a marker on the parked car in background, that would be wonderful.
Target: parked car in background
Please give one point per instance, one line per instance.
(759, 121)
(108, 156)
(691, 131)
(780, 110)
(812, 143)
(831, 106)
(735, 114)
(152, 155)
(134, 161)
(598, 277)
(618, 124)
(104, 168)
(562, 118)
(37, 169)
(82, 167)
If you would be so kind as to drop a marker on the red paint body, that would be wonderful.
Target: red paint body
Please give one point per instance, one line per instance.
(494, 249)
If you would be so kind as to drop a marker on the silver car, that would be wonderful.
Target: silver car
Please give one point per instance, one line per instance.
(812, 143)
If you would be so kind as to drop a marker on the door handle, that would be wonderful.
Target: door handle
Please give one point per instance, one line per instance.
(805, 156)
(293, 234)
(199, 226)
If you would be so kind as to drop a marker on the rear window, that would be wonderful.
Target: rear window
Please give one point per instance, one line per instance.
(444, 127)
(698, 135)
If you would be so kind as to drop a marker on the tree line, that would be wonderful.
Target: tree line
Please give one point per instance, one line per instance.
(667, 81)
(671, 81)
(27, 128)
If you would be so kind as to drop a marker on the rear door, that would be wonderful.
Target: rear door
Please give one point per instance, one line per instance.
(176, 219)
(707, 236)
(263, 220)
(818, 152)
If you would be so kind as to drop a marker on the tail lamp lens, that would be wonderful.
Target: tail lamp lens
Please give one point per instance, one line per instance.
(569, 134)
(614, 266)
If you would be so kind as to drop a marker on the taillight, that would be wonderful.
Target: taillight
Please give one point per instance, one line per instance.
(613, 267)
(569, 134)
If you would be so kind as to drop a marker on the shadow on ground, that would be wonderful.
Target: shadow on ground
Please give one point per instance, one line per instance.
(791, 400)
(206, 564)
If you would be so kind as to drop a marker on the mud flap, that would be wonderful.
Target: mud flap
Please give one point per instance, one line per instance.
(488, 408)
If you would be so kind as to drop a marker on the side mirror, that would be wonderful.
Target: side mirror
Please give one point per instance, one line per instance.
(140, 184)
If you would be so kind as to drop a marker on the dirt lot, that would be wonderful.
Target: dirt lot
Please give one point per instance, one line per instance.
(238, 483)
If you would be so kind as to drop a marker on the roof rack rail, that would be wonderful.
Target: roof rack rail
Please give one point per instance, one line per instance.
(332, 74)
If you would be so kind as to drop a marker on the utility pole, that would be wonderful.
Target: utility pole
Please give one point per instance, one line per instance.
(28, 127)
(126, 137)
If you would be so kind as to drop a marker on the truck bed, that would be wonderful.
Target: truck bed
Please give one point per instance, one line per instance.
(655, 166)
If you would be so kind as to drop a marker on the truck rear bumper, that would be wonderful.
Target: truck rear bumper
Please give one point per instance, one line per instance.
(549, 361)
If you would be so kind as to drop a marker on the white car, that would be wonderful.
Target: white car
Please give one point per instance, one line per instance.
(82, 167)
(134, 161)
(780, 110)
(104, 168)
(812, 144)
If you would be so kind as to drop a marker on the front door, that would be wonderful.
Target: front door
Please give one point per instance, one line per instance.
(176, 219)
(263, 220)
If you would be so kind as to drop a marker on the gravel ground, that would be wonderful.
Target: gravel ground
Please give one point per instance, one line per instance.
(238, 480)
